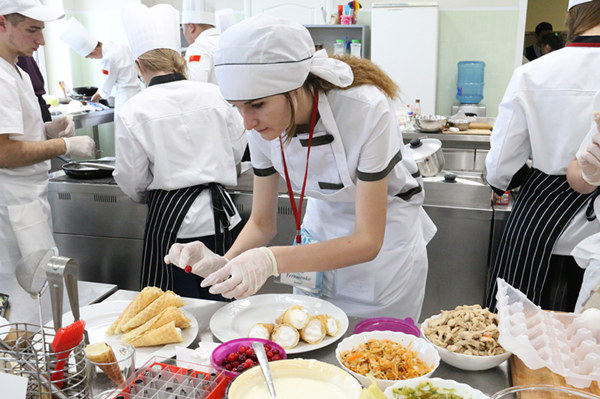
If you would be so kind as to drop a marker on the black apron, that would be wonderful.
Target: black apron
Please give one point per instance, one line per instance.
(166, 211)
(545, 206)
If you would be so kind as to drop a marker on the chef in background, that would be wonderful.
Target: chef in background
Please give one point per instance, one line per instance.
(544, 117)
(198, 19)
(116, 63)
(26, 142)
(584, 177)
(177, 144)
(328, 126)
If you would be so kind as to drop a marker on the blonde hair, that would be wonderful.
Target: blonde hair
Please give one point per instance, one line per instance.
(582, 17)
(163, 60)
(365, 72)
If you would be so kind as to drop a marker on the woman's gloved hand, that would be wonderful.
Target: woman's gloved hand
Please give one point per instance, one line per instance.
(62, 126)
(589, 158)
(80, 146)
(244, 274)
(589, 287)
(195, 257)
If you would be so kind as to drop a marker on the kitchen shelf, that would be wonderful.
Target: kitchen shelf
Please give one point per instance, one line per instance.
(328, 34)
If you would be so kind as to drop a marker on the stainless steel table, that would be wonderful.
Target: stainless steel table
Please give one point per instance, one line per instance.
(488, 381)
(23, 308)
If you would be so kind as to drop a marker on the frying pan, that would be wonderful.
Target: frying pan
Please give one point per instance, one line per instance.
(93, 169)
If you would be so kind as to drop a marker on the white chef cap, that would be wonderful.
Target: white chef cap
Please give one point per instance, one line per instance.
(198, 12)
(224, 18)
(78, 38)
(151, 28)
(30, 8)
(573, 3)
(264, 55)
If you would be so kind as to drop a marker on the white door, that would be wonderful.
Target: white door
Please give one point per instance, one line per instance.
(306, 12)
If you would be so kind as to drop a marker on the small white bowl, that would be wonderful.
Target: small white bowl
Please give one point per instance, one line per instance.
(424, 349)
(459, 389)
(462, 361)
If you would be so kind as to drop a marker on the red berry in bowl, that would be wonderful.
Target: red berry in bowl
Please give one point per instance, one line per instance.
(233, 356)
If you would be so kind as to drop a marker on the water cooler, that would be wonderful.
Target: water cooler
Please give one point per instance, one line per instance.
(469, 88)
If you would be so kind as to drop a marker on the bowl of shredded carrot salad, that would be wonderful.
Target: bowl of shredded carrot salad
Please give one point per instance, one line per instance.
(389, 356)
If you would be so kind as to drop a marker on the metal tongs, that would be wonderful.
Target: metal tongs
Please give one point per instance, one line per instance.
(61, 269)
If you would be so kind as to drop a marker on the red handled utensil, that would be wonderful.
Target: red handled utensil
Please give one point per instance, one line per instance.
(65, 340)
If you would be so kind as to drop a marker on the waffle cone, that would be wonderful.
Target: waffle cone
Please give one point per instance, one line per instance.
(167, 334)
(143, 299)
(332, 325)
(261, 330)
(165, 316)
(101, 352)
(167, 299)
(295, 316)
(315, 330)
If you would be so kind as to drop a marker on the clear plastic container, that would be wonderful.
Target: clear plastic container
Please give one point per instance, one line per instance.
(339, 47)
(355, 48)
(469, 84)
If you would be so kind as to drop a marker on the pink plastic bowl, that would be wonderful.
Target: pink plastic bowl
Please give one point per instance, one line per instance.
(406, 326)
(226, 348)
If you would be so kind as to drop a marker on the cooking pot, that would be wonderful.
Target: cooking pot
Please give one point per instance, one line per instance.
(428, 155)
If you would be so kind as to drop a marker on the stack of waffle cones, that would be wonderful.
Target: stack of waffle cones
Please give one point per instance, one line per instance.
(152, 318)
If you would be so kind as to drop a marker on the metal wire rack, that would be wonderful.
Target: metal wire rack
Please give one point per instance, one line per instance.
(26, 351)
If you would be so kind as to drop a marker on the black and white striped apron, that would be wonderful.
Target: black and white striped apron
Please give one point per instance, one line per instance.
(545, 206)
(166, 211)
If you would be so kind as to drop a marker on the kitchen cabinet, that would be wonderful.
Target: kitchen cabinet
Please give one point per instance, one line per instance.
(326, 35)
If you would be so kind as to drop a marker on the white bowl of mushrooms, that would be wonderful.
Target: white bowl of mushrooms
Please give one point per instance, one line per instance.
(466, 337)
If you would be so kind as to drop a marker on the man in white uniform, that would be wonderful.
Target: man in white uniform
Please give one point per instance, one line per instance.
(198, 19)
(116, 63)
(26, 142)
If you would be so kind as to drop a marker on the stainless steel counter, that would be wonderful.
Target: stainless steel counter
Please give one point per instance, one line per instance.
(456, 141)
(488, 381)
(23, 308)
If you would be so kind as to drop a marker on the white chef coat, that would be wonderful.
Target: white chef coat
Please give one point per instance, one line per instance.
(544, 116)
(175, 135)
(25, 218)
(118, 66)
(366, 145)
(200, 56)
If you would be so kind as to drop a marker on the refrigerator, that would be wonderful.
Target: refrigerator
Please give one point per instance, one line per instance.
(404, 43)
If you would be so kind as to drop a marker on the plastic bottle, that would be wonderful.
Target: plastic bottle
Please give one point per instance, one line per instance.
(417, 108)
(355, 48)
(339, 47)
(469, 83)
(409, 111)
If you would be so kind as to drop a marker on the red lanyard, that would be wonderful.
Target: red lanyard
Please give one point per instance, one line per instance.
(297, 210)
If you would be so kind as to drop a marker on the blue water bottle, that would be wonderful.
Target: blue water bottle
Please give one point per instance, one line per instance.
(469, 84)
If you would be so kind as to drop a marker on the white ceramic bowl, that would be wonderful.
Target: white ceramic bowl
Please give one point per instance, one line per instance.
(463, 390)
(311, 378)
(462, 361)
(424, 349)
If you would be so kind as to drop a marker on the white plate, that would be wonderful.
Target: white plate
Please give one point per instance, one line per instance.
(99, 316)
(234, 320)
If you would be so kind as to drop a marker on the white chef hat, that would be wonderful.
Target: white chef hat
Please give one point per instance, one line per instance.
(263, 55)
(151, 28)
(224, 18)
(30, 8)
(573, 3)
(198, 12)
(78, 38)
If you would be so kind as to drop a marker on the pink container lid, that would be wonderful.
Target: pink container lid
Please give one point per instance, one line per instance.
(406, 326)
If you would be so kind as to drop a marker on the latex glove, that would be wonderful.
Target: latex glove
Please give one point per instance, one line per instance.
(80, 146)
(589, 158)
(195, 257)
(591, 283)
(248, 271)
(60, 127)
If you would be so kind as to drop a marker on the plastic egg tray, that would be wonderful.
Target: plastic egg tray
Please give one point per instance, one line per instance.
(168, 378)
(558, 341)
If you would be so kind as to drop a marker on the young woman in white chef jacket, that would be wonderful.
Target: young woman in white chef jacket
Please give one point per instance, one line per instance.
(364, 226)
(177, 144)
(544, 117)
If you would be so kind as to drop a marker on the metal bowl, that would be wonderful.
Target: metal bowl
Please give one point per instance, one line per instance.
(430, 123)
(460, 123)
